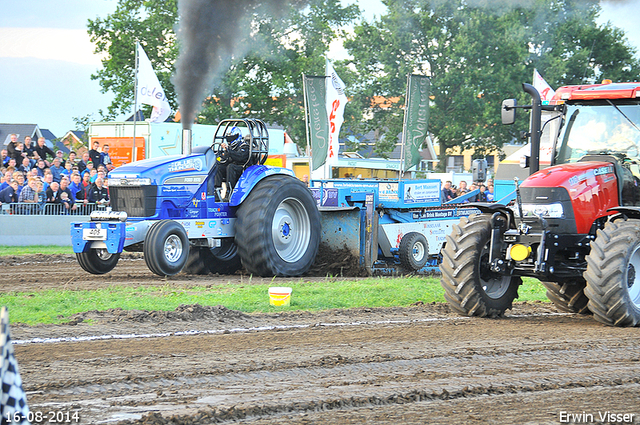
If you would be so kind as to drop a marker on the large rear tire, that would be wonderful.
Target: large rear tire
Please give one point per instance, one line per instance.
(278, 228)
(568, 296)
(97, 261)
(613, 274)
(471, 288)
(166, 248)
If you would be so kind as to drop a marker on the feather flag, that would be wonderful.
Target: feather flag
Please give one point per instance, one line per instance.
(336, 101)
(149, 89)
(545, 90)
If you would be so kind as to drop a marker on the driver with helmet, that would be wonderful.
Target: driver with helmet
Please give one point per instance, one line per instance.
(231, 158)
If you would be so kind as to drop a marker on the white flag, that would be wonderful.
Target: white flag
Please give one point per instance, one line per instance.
(336, 101)
(545, 90)
(149, 90)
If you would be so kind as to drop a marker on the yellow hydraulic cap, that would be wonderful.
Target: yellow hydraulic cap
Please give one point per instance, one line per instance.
(520, 252)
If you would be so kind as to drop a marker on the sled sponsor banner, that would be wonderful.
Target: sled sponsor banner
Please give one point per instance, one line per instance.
(388, 191)
(149, 89)
(421, 192)
(416, 118)
(315, 93)
(329, 198)
(336, 101)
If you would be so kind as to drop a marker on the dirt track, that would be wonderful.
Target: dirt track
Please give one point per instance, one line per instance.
(417, 365)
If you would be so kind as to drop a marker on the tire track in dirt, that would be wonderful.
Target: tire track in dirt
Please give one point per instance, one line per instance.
(239, 386)
(413, 365)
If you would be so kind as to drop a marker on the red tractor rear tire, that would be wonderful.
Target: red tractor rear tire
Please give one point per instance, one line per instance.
(613, 274)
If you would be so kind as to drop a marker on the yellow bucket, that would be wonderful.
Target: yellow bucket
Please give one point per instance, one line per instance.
(280, 296)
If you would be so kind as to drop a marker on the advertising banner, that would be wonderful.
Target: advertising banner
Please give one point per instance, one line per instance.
(416, 118)
(315, 100)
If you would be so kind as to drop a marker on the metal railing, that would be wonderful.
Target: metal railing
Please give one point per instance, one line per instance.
(27, 208)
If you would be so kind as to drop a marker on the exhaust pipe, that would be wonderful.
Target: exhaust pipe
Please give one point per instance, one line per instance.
(536, 113)
(186, 141)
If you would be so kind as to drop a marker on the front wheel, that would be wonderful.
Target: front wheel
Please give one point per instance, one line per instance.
(613, 274)
(471, 288)
(97, 261)
(166, 248)
(278, 228)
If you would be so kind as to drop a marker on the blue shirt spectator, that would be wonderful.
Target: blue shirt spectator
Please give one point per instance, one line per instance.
(67, 169)
(56, 170)
(75, 185)
(447, 192)
(10, 193)
(490, 197)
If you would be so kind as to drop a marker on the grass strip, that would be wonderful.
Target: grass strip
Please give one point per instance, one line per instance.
(58, 305)
(35, 249)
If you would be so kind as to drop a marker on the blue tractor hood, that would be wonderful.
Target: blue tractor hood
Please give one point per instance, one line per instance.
(165, 169)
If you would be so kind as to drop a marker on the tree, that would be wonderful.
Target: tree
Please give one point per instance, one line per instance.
(477, 56)
(82, 124)
(266, 82)
(151, 23)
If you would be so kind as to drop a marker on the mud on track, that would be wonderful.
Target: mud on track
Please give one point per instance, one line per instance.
(416, 365)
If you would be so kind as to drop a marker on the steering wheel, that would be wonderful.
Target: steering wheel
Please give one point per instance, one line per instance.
(220, 155)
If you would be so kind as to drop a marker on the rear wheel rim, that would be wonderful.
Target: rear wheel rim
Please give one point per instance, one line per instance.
(172, 248)
(633, 277)
(493, 284)
(418, 251)
(291, 230)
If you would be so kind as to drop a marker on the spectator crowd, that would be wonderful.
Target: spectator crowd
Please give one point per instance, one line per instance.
(33, 177)
(485, 194)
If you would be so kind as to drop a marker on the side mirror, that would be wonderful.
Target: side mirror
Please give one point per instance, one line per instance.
(508, 111)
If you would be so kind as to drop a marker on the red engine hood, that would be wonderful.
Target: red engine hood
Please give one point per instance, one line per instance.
(592, 187)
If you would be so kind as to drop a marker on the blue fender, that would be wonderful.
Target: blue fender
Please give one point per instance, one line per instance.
(250, 177)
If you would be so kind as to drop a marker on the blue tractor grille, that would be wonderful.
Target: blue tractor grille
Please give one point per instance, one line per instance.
(135, 201)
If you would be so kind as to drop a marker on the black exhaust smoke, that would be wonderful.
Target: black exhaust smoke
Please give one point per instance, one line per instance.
(210, 34)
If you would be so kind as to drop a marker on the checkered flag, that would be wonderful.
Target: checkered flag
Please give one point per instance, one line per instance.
(14, 407)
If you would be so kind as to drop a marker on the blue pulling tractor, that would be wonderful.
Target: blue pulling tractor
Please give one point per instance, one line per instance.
(271, 225)
(167, 208)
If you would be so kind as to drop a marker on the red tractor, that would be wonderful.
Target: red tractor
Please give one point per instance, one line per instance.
(574, 225)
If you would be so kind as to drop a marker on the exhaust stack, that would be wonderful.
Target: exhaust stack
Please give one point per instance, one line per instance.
(186, 141)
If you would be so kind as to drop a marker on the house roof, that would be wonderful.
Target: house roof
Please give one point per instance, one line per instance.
(22, 130)
(47, 134)
(75, 134)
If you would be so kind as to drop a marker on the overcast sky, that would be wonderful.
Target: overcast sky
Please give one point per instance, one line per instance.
(46, 58)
